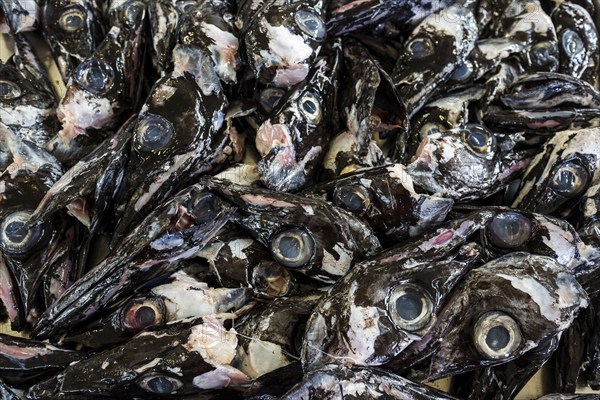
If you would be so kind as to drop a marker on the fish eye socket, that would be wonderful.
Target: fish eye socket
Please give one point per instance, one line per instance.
(479, 138)
(420, 48)
(142, 313)
(570, 179)
(310, 107)
(9, 90)
(72, 20)
(509, 230)
(410, 307)
(206, 208)
(571, 42)
(497, 336)
(292, 248)
(15, 237)
(463, 72)
(95, 76)
(186, 6)
(271, 279)
(153, 133)
(269, 98)
(311, 24)
(159, 384)
(543, 53)
(353, 198)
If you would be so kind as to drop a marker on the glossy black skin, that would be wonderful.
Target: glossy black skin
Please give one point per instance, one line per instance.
(292, 165)
(113, 372)
(542, 122)
(435, 263)
(550, 90)
(394, 212)
(24, 362)
(264, 213)
(583, 63)
(71, 46)
(504, 381)
(175, 230)
(483, 290)
(573, 352)
(335, 382)
(122, 50)
(163, 41)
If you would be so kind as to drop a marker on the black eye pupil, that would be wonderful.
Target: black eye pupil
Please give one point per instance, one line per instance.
(74, 21)
(509, 230)
(289, 247)
(309, 106)
(420, 48)
(95, 76)
(5, 89)
(311, 23)
(571, 42)
(145, 316)
(409, 307)
(206, 209)
(477, 139)
(160, 384)
(16, 231)
(498, 338)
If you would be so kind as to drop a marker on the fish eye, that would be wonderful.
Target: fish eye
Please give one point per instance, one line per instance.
(420, 48)
(72, 20)
(410, 307)
(271, 279)
(311, 24)
(133, 12)
(95, 76)
(159, 383)
(543, 53)
(186, 6)
(509, 230)
(206, 208)
(463, 72)
(292, 248)
(141, 313)
(429, 129)
(353, 198)
(497, 335)
(570, 179)
(571, 42)
(479, 138)
(9, 90)
(310, 107)
(269, 98)
(153, 132)
(15, 237)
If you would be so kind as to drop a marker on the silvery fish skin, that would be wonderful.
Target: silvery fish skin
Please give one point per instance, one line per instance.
(174, 231)
(23, 15)
(102, 89)
(282, 38)
(386, 198)
(578, 42)
(564, 173)
(442, 41)
(499, 312)
(291, 142)
(271, 337)
(328, 240)
(27, 103)
(182, 296)
(372, 314)
(336, 382)
(465, 163)
(186, 357)
(73, 30)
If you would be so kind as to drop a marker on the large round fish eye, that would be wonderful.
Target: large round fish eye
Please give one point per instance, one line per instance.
(570, 179)
(462, 72)
(72, 20)
(292, 248)
(15, 237)
(95, 76)
(310, 107)
(269, 98)
(571, 42)
(420, 48)
(497, 335)
(9, 90)
(479, 139)
(543, 54)
(311, 24)
(271, 279)
(509, 230)
(410, 307)
(206, 208)
(353, 198)
(141, 313)
(159, 383)
(153, 132)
